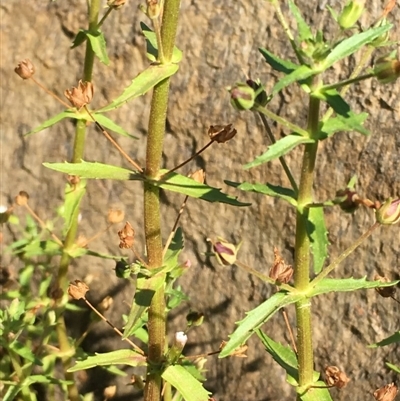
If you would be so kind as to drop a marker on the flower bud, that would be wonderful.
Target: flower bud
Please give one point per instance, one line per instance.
(225, 252)
(387, 70)
(177, 347)
(221, 133)
(243, 96)
(78, 289)
(122, 269)
(153, 9)
(386, 393)
(22, 198)
(115, 3)
(335, 377)
(389, 212)
(261, 98)
(25, 69)
(351, 13)
(80, 96)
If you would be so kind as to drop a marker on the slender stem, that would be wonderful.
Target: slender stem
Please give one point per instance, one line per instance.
(66, 348)
(281, 121)
(51, 93)
(289, 327)
(281, 158)
(152, 218)
(344, 255)
(302, 252)
(348, 82)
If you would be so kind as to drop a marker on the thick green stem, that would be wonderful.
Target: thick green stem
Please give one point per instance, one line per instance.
(302, 254)
(66, 348)
(152, 215)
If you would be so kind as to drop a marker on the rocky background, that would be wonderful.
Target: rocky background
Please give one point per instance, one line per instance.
(220, 42)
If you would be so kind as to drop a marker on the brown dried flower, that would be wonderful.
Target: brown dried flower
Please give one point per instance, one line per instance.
(385, 292)
(22, 198)
(221, 133)
(78, 289)
(280, 271)
(199, 176)
(115, 216)
(25, 69)
(126, 236)
(80, 96)
(386, 393)
(115, 3)
(335, 377)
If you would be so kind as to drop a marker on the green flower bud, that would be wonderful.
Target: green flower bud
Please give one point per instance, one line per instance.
(387, 70)
(389, 212)
(242, 96)
(351, 13)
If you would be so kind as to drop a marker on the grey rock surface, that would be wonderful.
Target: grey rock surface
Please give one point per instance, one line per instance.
(220, 42)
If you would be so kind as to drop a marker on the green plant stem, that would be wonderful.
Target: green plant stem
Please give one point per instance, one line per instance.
(302, 251)
(66, 348)
(344, 255)
(152, 217)
(348, 82)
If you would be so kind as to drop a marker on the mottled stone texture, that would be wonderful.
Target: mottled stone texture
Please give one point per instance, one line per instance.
(220, 42)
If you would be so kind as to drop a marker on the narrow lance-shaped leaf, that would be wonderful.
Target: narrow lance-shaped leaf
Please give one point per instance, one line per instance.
(256, 318)
(286, 194)
(73, 198)
(341, 124)
(98, 44)
(142, 83)
(394, 338)
(352, 44)
(279, 148)
(54, 120)
(277, 63)
(303, 29)
(319, 237)
(188, 387)
(111, 125)
(120, 357)
(300, 74)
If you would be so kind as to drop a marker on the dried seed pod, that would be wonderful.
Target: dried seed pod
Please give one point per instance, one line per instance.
(335, 377)
(386, 393)
(126, 236)
(25, 69)
(385, 292)
(78, 289)
(280, 271)
(221, 133)
(22, 198)
(115, 3)
(80, 96)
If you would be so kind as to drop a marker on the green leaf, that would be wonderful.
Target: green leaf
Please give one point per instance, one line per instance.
(394, 338)
(25, 352)
(98, 44)
(393, 367)
(79, 39)
(346, 284)
(98, 171)
(187, 186)
(352, 44)
(339, 123)
(256, 318)
(190, 388)
(73, 198)
(145, 290)
(279, 148)
(152, 49)
(111, 125)
(120, 357)
(300, 74)
(54, 120)
(277, 63)
(318, 237)
(175, 248)
(286, 194)
(38, 248)
(142, 83)
(304, 31)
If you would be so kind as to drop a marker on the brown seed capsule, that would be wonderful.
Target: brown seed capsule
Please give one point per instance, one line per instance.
(80, 96)
(126, 236)
(386, 393)
(25, 69)
(22, 198)
(280, 271)
(221, 133)
(115, 216)
(115, 3)
(335, 377)
(78, 289)
(385, 292)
